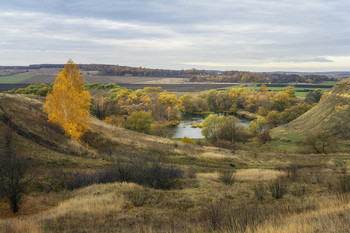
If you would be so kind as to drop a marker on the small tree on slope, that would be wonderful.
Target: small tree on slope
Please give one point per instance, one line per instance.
(68, 104)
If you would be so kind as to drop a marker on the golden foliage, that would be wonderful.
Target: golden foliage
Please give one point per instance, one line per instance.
(282, 100)
(68, 104)
(340, 108)
(187, 140)
(264, 89)
(168, 99)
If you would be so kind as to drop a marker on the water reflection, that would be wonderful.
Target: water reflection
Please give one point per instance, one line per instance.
(184, 129)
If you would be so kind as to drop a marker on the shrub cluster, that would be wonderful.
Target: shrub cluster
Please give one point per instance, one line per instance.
(342, 184)
(228, 177)
(153, 174)
(82, 179)
(278, 188)
(259, 191)
(98, 141)
(264, 136)
(222, 216)
(148, 173)
(321, 142)
(187, 140)
(34, 89)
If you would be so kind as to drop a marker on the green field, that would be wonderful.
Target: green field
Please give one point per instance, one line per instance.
(299, 91)
(301, 94)
(13, 79)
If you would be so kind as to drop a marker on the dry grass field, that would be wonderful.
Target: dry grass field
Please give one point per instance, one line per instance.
(202, 201)
(208, 207)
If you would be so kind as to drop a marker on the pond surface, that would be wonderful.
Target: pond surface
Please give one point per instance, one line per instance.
(184, 129)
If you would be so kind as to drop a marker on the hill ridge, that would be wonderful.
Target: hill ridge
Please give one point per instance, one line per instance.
(331, 113)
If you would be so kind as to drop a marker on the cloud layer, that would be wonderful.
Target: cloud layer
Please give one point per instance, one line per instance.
(257, 35)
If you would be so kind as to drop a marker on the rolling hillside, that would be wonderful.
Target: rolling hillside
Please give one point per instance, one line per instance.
(192, 207)
(47, 145)
(332, 113)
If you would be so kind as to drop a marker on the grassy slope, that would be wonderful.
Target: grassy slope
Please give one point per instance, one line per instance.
(106, 208)
(332, 113)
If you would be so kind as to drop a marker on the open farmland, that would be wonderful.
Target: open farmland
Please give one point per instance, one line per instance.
(177, 87)
(48, 76)
(7, 87)
(48, 79)
(13, 79)
(181, 88)
(24, 77)
(300, 89)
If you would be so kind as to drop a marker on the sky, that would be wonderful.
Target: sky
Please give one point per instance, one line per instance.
(250, 35)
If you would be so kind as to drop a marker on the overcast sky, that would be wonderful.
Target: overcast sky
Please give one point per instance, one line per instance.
(254, 35)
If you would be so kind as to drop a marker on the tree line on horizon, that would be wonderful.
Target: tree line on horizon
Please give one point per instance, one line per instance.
(194, 75)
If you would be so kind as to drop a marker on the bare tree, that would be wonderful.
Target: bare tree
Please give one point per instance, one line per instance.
(14, 179)
(321, 142)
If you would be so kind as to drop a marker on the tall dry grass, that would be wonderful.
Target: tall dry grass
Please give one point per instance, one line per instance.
(89, 206)
(246, 175)
(331, 216)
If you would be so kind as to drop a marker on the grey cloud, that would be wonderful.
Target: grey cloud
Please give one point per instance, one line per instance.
(177, 34)
(303, 60)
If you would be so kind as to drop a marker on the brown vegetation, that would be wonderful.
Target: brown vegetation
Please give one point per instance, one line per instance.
(197, 200)
(14, 178)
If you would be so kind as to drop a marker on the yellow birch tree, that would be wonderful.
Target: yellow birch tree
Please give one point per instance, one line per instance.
(68, 104)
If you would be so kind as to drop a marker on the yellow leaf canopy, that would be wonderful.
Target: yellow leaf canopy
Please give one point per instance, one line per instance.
(68, 104)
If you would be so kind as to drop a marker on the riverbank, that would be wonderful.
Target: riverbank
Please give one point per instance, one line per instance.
(187, 121)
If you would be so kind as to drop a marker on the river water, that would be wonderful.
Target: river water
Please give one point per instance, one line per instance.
(184, 129)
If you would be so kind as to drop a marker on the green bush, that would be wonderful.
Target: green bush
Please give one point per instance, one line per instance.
(313, 96)
(34, 89)
(140, 121)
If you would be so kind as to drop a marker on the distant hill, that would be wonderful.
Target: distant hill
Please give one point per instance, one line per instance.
(332, 113)
(194, 75)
